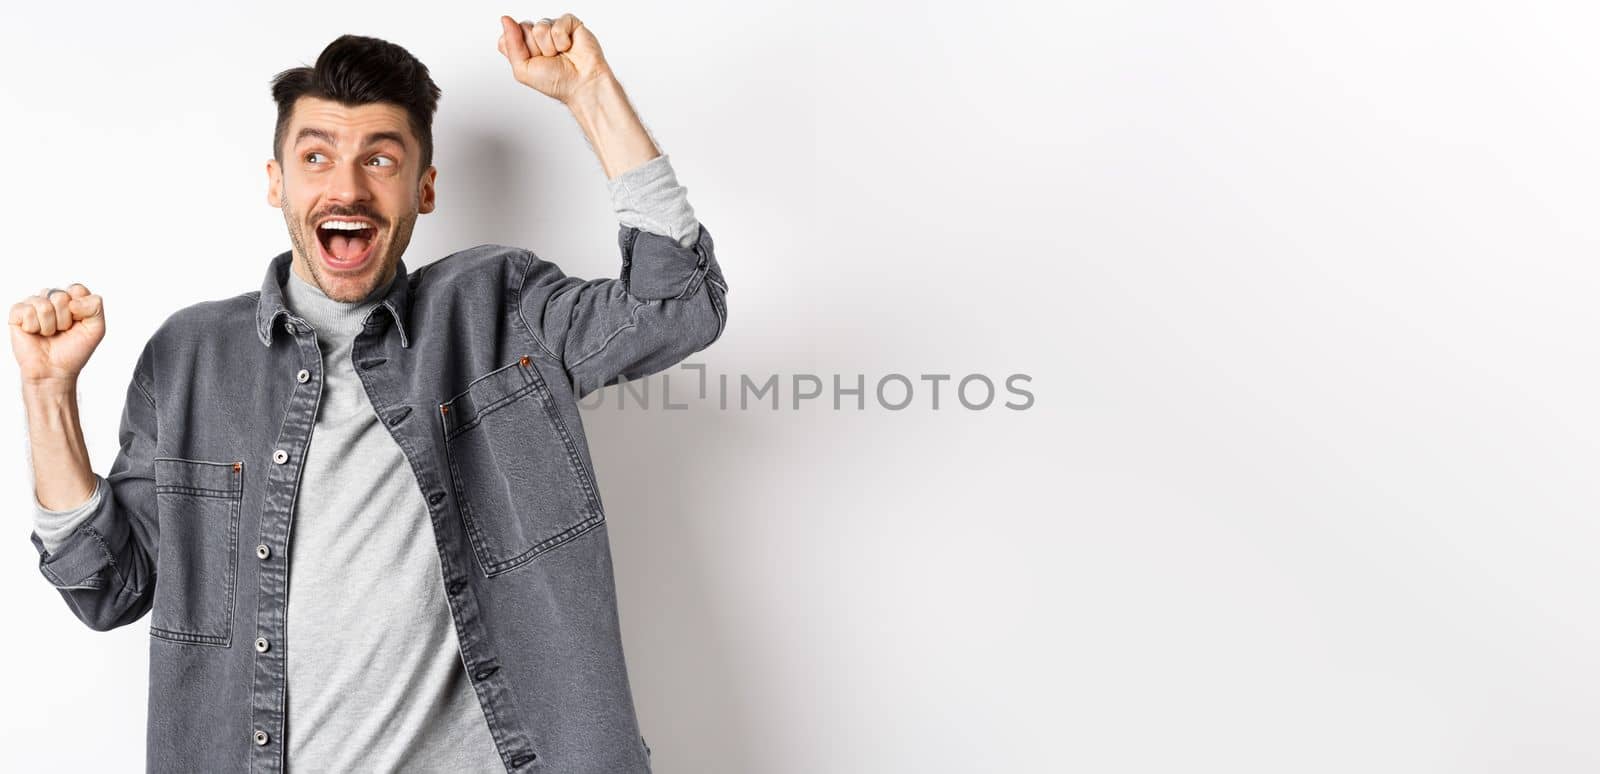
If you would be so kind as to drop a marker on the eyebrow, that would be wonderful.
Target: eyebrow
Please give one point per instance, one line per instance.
(371, 139)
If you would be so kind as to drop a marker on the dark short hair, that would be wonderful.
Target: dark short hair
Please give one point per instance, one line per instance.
(355, 70)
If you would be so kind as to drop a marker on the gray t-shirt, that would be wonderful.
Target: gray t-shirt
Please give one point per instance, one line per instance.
(376, 678)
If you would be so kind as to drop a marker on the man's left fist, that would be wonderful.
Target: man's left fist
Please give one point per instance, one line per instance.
(555, 56)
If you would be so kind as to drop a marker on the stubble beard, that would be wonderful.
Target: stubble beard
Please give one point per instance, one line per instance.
(308, 254)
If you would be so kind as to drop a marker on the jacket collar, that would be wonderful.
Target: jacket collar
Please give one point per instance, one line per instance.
(270, 306)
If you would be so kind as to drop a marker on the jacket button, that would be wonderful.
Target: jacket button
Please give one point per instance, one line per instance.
(302, 375)
(261, 737)
(262, 551)
(280, 456)
(261, 645)
(435, 498)
(455, 586)
(521, 759)
(484, 673)
(289, 327)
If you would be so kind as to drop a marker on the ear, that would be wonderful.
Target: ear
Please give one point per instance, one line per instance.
(274, 184)
(425, 190)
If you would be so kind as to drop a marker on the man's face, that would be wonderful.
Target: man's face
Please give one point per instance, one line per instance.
(350, 191)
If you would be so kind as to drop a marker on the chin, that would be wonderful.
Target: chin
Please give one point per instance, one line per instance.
(350, 288)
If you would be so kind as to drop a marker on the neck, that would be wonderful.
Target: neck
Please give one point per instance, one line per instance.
(329, 316)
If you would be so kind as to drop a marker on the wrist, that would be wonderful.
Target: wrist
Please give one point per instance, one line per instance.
(51, 409)
(51, 387)
(588, 97)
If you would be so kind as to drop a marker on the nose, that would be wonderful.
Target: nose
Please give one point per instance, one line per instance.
(347, 185)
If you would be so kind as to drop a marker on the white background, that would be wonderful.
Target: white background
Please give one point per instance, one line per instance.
(1307, 292)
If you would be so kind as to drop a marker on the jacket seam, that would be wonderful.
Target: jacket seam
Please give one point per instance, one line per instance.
(146, 393)
(633, 322)
(691, 285)
(516, 301)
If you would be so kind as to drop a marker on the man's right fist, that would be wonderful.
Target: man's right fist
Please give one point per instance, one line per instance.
(54, 334)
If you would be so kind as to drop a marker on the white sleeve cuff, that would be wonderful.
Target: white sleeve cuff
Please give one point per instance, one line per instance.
(648, 197)
(54, 527)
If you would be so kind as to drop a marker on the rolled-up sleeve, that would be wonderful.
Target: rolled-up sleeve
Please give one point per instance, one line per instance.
(668, 302)
(55, 526)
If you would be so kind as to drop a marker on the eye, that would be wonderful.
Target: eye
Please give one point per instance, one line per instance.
(387, 162)
(313, 156)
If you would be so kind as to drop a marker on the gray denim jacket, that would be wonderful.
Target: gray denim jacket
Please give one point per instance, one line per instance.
(475, 364)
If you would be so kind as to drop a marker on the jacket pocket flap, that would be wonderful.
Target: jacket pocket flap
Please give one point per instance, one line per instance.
(487, 393)
(198, 477)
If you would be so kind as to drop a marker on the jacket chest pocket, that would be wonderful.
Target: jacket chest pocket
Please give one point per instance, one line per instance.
(521, 487)
(198, 504)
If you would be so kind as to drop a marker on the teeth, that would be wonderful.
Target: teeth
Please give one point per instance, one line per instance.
(345, 225)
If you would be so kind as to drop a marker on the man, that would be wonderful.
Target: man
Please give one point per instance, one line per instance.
(401, 449)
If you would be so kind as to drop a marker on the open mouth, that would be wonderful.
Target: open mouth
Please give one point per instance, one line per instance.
(346, 244)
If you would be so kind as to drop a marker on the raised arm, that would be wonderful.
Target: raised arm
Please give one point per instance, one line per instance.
(92, 532)
(670, 298)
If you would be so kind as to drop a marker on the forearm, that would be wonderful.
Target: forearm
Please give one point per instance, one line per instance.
(612, 127)
(62, 476)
